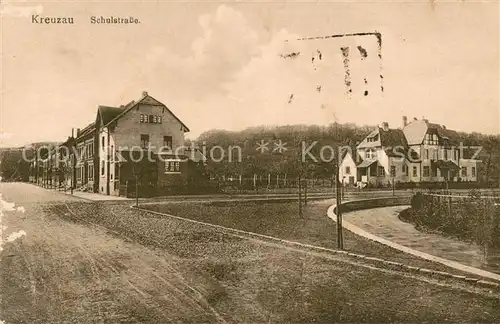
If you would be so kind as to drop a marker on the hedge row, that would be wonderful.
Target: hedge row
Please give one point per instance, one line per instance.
(470, 218)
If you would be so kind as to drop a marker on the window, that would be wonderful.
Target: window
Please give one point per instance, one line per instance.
(103, 144)
(167, 142)
(431, 139)
(426, 154)
(464, 171)
(393, 170)
(415, 173)
(144, 141)
(117, 171)
(381, 171)
(434, 172)
(473, 171)
(435, 155)
(78, 173)
(112, 153)
(427, 171)
(445, 154)
(91, 171)
(347, 170)
(369, 154)
(172, 166)
(102, 167)
(373, 138)
(150, 119)
(91, 149)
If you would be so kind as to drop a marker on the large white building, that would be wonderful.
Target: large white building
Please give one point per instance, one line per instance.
(418, 152)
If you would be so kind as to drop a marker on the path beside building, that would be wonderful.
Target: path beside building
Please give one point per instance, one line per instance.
(384, 222)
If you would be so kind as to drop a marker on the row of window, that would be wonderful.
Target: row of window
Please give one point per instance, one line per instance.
(117, 170)
(372, 139)
(172, 166)
(80, 172)
(85, 151)
(431, 139)
(150, 119)
(435, 155)
(427, 154)
(426, 172)
(145, 143)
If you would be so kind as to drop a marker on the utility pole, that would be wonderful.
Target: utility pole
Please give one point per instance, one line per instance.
(136, 174)
(136, 190)
(343, 189)
(73, 160)
(340, 237)
(393, 175)
(300, 195)
(305, 191)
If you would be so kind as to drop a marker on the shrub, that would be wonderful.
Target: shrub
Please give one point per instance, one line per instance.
(417, 201)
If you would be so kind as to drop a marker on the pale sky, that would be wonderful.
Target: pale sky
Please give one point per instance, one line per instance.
(217, 65)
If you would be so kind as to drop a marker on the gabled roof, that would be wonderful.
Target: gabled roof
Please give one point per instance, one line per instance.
(444, 133)
(415, 132)
(445, 164)
(376, 143)
(392, 138)
(108, 113)
(87, 130)
(111, 114)
(386, 138)
(351, 150)
(367, 163)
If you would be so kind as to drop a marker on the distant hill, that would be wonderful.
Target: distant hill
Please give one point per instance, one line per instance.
(272, 159)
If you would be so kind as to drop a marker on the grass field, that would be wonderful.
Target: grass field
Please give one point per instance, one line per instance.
(281, 219)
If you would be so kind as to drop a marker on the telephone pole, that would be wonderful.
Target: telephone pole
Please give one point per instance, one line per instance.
(340, 236)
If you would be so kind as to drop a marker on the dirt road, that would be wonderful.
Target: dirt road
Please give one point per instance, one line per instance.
(154, 270)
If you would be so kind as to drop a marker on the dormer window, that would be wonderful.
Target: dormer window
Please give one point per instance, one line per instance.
(373, 138)
(431, 139)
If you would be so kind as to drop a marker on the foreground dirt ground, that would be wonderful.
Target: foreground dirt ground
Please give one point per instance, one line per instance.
(85, 262)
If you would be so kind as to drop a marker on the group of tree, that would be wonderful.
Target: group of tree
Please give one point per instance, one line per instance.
(242, 153)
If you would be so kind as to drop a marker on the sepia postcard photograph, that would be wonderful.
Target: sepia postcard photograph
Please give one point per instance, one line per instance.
(265, 161)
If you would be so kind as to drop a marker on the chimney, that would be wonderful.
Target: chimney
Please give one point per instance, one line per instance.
(144, 93)
(415, 118)
(385, 126)
(405, 121)
(444, 127)
(77, 132)
(425, 120)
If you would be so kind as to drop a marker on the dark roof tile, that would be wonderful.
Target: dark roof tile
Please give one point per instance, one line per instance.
(392, 138)
(109, 113)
